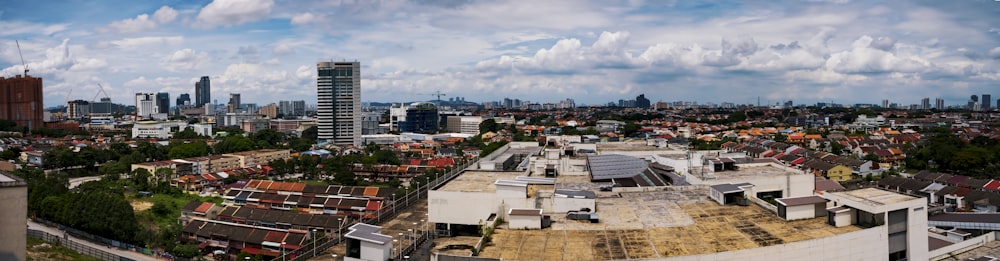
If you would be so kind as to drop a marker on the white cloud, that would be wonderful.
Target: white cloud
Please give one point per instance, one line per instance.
(184, 60)
(8, 28)
(861, 58)
(282, 49)
(165, 15)
(139, 23)
(89, 64)
(144, 22)
(143, 41)
(995, 53)
(305, 18)
(234, 12)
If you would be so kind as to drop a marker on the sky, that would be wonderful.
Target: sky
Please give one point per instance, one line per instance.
(594, 52)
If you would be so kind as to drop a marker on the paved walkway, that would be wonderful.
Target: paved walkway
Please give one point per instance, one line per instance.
(124, 253)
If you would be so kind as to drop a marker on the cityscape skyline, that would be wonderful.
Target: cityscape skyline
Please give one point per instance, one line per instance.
(839, 51)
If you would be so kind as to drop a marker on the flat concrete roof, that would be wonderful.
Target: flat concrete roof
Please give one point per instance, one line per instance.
(874, 196)
(752, 172)
(479, 181)
(678, 221)
(632, 146)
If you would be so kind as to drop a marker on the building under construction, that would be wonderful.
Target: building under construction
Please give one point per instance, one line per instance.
(21, 100)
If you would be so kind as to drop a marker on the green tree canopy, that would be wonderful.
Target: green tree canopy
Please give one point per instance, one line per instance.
(187, 150)
(235, 143)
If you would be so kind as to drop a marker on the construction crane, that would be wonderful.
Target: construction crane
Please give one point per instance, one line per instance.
(94, 100)
(22, 58)
(437, 94)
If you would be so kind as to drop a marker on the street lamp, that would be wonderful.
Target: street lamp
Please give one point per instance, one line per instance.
(282, 247)
(425, 228)
(340, 227)
(415, 232)
(400, 244)
(314, 241)
(334, 257)
(397, 249)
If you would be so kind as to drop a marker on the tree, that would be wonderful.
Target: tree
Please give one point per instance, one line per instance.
(631, 129)
(187, 150)
(488, 125)
(152, 151)
(268, 138)
(836, 147)
(311, 133)
(186, 250)
(187, 133)
(163, 175)
(235, 143)
(871, 157)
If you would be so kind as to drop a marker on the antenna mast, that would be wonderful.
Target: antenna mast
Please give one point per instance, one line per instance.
(22, 58)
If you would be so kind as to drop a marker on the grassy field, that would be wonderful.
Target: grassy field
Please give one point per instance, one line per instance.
(38, 252)
(147, 213)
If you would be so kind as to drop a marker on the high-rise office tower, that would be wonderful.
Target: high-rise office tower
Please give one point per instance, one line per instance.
(885, 103)
(234, 103)
(641, 101)
(285, 108)
(973, 100)
(939, 104)
(338, 95)
(183, 99)
(162, 102)
(21, 101)
(925, 104)
(299, 107)
(202, 91)
(145, 105)
(986, 102)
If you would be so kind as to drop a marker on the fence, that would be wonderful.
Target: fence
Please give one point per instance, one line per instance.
(398, 205)
(79, 248)
(96, 239)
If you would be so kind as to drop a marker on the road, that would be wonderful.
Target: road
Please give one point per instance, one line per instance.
(116, 251)
(74, 182)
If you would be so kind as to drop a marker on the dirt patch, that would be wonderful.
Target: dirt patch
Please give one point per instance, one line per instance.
(140, 205)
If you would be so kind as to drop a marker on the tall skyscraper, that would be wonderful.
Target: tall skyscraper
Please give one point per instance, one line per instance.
(338, 95)
(925, 104)
(299, 107)
(986, 102)
(202, 91)
(939, 104)
(973, 100)
(234, 103)
(162, 102)
(21, 101)
(885, 103)
(285, 108)
(641, 101)
(145, 105)
(183, 99)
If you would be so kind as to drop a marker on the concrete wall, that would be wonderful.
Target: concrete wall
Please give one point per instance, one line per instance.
(14, 202)
(867, 244)
(800, 212)
(372, 251)
(561, 205)
(843, 219)
(960, 247)
(466, 208)
(525, 222)
(504, 191)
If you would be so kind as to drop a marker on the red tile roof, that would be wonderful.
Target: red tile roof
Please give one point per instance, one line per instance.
(993, 185)
(204, 207)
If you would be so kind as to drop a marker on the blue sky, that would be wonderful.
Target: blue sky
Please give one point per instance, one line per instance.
(591, 51)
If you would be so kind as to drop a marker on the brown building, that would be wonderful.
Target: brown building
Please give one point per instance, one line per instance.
(21, 101)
